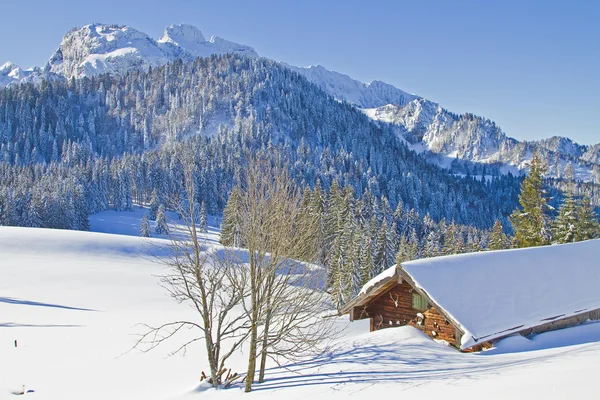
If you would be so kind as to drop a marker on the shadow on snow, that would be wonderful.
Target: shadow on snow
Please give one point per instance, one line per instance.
(14, 325)
(10, 300)
(411, 363)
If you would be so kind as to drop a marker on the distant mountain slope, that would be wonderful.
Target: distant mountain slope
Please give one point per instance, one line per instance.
(226, 104)
(475, 139)
(446, 137)
(96, 49)
(363, 95)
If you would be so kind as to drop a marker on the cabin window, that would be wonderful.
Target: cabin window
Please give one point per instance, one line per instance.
(419, 302)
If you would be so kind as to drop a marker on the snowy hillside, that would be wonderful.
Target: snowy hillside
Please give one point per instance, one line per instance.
(72, 301)
(446, 136)
(99, 48)
(342, 87)
(429, 127)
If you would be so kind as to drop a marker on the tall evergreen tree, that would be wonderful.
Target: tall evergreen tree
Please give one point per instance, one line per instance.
(202, 221)
(162, 226)
(366, 255)
(432, 245)
(145, 226)
(453, 241)
(498, 239)
(154, 204)
(231, 226)
(586, 224)
(563, 227)
(381, 245)
(530, 222)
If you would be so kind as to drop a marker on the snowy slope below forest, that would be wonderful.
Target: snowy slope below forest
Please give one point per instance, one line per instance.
(73, 299)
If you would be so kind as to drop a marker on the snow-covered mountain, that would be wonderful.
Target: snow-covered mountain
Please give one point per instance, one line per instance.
(96, 49)
(363, 95)
(448, 136)
(10, 73)
(99, 48)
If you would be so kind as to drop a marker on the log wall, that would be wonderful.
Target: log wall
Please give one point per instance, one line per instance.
(437, 326)
(394, 307)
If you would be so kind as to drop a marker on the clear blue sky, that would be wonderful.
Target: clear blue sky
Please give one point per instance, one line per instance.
(531, 66)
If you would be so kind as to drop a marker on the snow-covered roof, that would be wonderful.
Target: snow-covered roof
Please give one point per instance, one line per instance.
(387, 274)
(496, 293)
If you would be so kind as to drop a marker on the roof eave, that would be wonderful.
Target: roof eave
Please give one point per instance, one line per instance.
(372, 292)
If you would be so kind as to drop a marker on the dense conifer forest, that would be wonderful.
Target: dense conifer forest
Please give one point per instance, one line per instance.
(75, 148)
(70, 149)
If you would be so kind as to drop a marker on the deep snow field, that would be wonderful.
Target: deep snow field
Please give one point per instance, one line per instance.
(72, 301)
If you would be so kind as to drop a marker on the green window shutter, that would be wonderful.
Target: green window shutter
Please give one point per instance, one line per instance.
(419, 302)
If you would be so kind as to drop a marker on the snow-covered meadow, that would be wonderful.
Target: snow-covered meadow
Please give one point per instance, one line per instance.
(72, 301)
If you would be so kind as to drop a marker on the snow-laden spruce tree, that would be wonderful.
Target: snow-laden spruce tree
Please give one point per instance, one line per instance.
(231, 225)
(498, 239)
(531, 222)
(576, 218)
(564, 226)
(432, 245)
(162, 227)
(154, 204)
(202, 220)
(587, 225)
(453, 240)
(145, 226)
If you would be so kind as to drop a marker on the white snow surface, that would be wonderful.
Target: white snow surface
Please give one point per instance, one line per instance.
(343, 87)
(491, 294)
(99, 48)
(11, 73)
(72, 301)
(388, 273)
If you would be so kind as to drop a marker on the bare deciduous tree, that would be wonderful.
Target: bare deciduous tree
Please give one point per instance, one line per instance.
(285, 299)
(212, 282)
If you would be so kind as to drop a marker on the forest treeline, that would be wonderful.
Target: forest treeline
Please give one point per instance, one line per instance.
(77, 147)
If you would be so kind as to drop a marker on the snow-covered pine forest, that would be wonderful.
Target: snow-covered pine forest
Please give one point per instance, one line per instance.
(75, 148)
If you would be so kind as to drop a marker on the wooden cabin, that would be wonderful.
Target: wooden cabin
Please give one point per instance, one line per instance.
(472, 300)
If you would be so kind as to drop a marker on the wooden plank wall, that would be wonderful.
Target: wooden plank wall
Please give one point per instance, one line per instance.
(437, 326)
(394, 308)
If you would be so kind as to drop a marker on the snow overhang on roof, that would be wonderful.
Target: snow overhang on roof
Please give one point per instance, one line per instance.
(374, 287)
(496, 293)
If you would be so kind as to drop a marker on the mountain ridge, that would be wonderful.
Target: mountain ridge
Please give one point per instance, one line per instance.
(96, 48)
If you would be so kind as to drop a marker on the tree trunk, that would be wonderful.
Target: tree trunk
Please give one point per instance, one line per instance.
(212, 362)
(265, 341)
(263, 354)
(251, 358)
(263, 361)
(254, 298)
